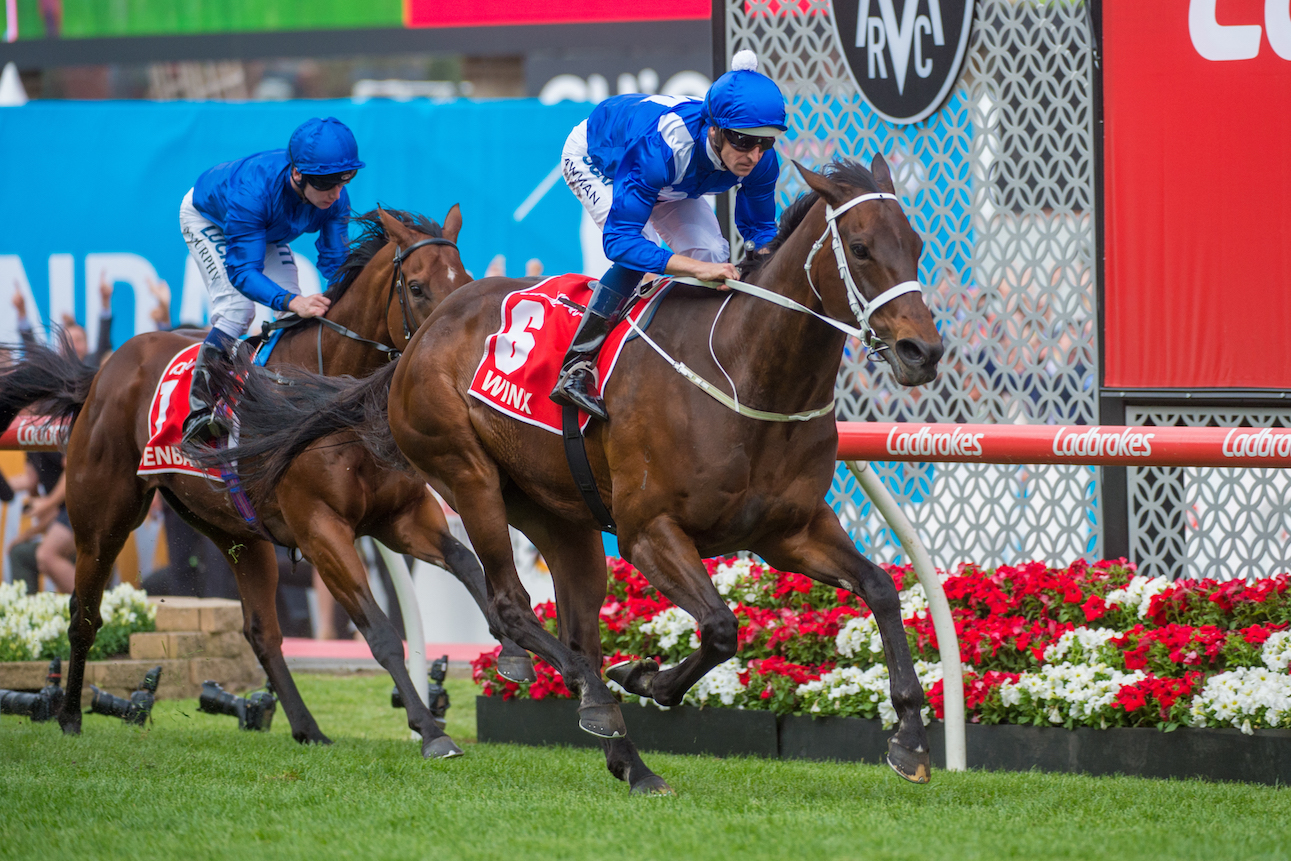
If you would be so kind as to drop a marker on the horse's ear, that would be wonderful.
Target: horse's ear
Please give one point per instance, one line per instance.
(453, 223)
(833, 193)
(396, 229)
(882, 175)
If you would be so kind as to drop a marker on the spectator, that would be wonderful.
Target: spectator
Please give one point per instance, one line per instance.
(533, 268)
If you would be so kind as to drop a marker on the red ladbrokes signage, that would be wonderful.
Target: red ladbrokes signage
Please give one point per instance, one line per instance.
(1197, 103)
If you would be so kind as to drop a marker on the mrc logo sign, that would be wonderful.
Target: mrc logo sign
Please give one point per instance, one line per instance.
(905, 55)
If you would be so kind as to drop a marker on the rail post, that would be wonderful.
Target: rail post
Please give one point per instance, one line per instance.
(952, 674)
(411, 612)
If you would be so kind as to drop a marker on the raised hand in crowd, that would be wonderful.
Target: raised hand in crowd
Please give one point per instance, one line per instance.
(105, 291)
(160, 312)
(19, 301)
(533, 268)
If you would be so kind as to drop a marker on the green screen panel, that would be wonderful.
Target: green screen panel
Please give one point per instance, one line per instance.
(99, 18)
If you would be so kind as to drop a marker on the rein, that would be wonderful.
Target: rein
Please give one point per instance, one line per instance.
(397, 285)
(861, 307)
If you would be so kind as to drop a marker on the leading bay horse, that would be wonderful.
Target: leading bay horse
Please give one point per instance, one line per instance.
(684, 476)
(399, 269)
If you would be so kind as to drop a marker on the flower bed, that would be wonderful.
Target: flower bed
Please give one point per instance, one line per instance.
(34, 627)
(1083, 646)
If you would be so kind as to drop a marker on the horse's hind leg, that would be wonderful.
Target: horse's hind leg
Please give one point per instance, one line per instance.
(422, 531)
(103, 517)
(576, 558)
(256, 567)
(329, 544)
(824, 552)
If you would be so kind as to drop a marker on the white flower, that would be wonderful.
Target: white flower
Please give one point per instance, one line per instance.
(721, 683)
(1244, 697)
(670, 626)
(1138, 594)
(1276, 652)
(1088, 640)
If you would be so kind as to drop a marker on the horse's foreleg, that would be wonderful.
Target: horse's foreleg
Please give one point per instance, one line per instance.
(577, 561)
(329, 544)
(256, 567)
(421, 531)
(669, 560)
(824, 552)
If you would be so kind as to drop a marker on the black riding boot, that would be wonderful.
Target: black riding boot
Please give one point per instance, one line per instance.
(202, 425)
(577, 384)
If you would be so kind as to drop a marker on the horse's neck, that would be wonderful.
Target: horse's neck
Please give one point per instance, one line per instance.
(361, 310)
(783, 346)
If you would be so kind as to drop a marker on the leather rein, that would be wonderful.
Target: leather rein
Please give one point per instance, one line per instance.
(398, 286)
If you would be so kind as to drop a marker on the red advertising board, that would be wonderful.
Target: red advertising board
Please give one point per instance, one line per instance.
(1197, 108)
(485, 13)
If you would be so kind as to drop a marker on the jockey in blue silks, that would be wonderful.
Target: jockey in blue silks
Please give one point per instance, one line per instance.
(237, 221)
(639, 165)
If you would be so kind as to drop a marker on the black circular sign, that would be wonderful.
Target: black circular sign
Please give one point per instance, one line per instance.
(904, 54)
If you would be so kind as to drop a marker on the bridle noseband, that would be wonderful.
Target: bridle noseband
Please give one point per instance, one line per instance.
(862, 308)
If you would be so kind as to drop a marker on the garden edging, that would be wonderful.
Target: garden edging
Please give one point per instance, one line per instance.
(1209, 753)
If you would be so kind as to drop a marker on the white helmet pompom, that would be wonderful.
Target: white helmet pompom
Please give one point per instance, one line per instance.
(744, 61)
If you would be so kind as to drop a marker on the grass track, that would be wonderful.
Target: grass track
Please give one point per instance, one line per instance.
(192, 787)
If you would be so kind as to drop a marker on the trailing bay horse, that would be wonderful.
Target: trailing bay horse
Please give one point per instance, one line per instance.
(331, 494)
(685, 476)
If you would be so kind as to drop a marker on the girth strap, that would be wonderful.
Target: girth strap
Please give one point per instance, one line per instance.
(581, 470)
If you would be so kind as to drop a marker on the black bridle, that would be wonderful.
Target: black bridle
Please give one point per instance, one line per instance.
(397, 285)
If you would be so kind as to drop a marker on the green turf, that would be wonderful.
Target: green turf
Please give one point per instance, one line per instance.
(192, 787)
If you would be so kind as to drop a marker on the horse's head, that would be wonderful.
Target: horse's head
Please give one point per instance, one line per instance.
(425, 268)
(873, 241)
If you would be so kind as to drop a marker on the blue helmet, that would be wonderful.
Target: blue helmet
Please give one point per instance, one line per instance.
(322, 147)
(745, 100)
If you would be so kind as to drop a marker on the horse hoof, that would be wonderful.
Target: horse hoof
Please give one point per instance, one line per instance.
(602, 721)
(915, 766)
(71, 729)
(313, 738)
(635, 677)
(654, 785)
(515, 668)
(440, 747)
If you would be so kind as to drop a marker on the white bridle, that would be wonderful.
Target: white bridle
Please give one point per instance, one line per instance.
(862, 308)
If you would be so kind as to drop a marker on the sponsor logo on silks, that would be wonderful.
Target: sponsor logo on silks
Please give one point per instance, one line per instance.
(164, 455)
(1094, 443)
(905, 55)
(506, 392)
(180, 368)
(1248, 442)
(957, 443)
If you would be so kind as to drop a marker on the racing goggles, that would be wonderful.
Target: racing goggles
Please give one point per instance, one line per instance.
(741, 142)
(330, 181)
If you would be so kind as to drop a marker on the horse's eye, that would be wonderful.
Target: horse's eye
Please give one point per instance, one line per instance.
(415, 288)
(861, 252)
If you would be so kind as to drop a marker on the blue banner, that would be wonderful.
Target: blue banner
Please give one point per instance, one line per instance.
(92, 191)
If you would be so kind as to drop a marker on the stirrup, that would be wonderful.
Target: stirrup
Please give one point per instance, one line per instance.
(573, 390)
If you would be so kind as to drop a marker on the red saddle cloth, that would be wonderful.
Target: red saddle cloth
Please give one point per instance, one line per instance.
(522, 359)
(166, 417)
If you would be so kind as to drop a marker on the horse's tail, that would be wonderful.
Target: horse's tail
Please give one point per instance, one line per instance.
(282, 411)
(55, 382)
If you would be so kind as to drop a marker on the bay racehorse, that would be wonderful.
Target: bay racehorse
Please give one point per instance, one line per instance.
(400, 267)
(684, 476)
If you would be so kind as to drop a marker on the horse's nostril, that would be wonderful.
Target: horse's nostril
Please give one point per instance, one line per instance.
(917, 354)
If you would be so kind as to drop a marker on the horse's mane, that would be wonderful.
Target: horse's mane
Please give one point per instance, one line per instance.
(843, 171)
(371, 239)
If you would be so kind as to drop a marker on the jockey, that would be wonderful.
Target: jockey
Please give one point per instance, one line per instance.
(237, 221)
(639, 165)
